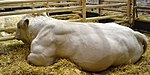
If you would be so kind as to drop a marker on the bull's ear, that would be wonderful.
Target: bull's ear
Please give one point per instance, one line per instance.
(26, 23)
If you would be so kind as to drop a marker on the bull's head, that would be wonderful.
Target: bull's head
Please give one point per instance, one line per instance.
(22, 32)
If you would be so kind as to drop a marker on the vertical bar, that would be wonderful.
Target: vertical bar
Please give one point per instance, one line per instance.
(32, 5)
(47, 5)
(129, 6)
(83, 3)
(134, 12)
(99, 10)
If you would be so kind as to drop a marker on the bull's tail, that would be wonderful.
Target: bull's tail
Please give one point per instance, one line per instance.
(142, 39)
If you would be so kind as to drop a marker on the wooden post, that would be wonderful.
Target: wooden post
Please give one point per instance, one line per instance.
(47, 5)
(32, 3)
(99, 10)
(83, 4)
(129, 7)
(134, 12)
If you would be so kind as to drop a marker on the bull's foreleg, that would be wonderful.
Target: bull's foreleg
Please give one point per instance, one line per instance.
(40, 59)
(43, 48)
(41, 55)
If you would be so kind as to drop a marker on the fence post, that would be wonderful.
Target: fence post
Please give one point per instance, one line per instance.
(83, 4)
(99, 10)
(134, 12)
(129, 8)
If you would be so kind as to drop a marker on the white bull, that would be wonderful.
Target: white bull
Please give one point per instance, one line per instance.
(92, 46)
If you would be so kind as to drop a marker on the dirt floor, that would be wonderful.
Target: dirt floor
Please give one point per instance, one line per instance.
(13, 62)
